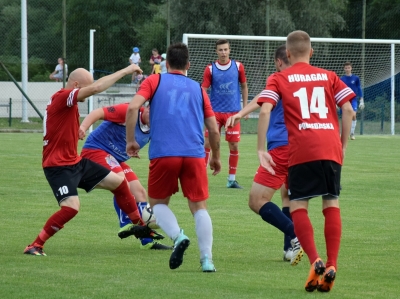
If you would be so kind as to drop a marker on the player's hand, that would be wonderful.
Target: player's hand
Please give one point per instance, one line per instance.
(362, 105)
(266, 161)
(133, 68)
(246, 117)
(132, 149)
(81, 133)
(215, 164)
(232, 121)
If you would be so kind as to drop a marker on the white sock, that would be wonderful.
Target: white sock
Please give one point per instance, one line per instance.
(231, 177)
(353, 126)
(204, 231)
(166, 219)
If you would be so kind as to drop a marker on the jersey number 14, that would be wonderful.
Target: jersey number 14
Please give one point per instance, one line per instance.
(317, 104)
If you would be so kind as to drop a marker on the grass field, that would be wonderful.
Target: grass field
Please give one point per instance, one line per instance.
(87, 260)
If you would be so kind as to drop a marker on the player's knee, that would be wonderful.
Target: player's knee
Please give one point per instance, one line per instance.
(254, 203)
(233, 146)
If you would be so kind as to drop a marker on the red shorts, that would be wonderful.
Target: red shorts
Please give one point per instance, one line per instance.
(231, 134)
(103, 158)
(165, 172)
(280, 155)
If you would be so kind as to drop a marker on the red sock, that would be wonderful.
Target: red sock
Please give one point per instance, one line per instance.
(233, 161)
(207, 157)
(305, 233)
(55, 223)
(333, 232)
(127, 203)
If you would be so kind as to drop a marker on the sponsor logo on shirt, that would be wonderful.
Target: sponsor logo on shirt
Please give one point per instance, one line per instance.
(318, 126)
(225, 88)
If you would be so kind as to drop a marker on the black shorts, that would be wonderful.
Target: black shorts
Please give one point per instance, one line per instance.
(316, 178)
(64, 180)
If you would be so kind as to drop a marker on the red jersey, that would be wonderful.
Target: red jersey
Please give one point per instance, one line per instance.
(309, 98)
(149, 87)
(116, 113)
(60, 125)
(207, 76)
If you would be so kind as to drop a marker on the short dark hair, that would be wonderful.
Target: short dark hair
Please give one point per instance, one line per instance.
(221, 42)
(280, 53)
(347, 63)
(298, 43)
(178, 56)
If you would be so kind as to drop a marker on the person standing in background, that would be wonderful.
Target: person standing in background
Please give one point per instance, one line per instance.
(354, 83)
(135, 59)
(226, 78)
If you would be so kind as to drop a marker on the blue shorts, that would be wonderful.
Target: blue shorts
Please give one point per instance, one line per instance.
(354, 104)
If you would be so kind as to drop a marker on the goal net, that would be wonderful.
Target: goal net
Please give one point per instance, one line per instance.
(376, 62)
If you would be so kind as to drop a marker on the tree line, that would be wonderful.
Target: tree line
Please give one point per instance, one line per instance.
(123, 24)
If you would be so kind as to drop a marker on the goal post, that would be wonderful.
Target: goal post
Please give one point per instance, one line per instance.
(376, 62)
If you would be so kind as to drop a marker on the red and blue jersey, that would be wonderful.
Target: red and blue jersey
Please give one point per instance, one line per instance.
(110, 135)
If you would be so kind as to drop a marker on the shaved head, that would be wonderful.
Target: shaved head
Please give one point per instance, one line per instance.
(298, 43)
(80, 76)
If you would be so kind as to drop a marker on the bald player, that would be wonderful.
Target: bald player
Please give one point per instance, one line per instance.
(309, 97)
(65, 170)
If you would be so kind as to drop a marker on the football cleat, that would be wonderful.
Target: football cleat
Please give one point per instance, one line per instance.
(316, 270)
(297, 252)
(352, 137)
(181, 243)
(233, 185)
(287, 255)
(139, 232)
(207, 265)
(34, 249)
(155, 246)
(328, 279)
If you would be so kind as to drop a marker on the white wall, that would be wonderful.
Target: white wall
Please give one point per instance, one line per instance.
(40, 93)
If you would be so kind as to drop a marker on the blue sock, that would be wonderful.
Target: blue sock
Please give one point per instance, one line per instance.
(145, 241)
(122, 217)
(272, 214)
(286, 239)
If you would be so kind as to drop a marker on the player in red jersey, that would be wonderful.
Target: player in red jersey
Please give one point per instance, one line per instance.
(179, 110)
(226, 77)
(65, 170)
(316, 148)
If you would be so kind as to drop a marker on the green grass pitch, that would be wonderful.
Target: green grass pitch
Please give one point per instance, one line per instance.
(87, 260)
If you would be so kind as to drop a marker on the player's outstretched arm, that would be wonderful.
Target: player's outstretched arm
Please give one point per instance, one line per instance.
(106, 81)
(214, 138)
(89, 120)
(263, 123)
(250, 107)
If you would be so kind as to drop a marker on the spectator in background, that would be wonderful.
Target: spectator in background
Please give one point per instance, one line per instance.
(155, 60)
(163, 64)
(135, 59)
(58, 74)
